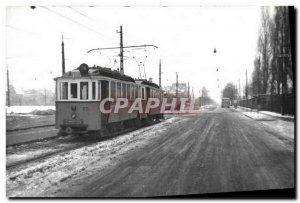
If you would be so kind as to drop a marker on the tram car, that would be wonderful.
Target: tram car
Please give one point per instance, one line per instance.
(79, 93)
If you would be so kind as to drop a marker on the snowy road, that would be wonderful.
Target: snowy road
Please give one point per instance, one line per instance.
(216, 151)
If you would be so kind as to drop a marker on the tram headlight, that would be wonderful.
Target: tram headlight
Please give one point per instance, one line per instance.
(73, 115)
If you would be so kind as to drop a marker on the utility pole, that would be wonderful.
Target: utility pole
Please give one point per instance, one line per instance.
(258, 81)
(236, 92)
(282, 68)
(8, 91)
(63, 55)
(243, 95)
(192, 93)
(202, 98)
(239, 89)
(246, 90)
(188, 90)
(159, 73)
(121, 50)
(199, 99)
(176, 84)
(45, 93)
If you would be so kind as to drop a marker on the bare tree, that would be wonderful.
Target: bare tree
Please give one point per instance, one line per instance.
(273, 68)
(229, 91)
(264, 48)
(256, 77)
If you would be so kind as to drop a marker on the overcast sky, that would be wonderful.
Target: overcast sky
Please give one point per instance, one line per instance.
(185, 36)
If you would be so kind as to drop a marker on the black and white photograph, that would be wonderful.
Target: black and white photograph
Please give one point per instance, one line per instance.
(149, 101)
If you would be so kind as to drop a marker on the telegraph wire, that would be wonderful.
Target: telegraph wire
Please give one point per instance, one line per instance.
(21, 30)
(70, 19)
(79, 12)
(89, 18)
(86, 16)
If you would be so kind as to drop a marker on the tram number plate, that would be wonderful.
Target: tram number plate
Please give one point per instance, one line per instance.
(73, 122)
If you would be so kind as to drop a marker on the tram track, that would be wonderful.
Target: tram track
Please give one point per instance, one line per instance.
(81, 142)
(28, 128)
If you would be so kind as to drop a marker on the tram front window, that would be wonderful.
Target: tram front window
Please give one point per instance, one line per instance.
(93, 90)
(64, 90)
(74, 91)
(84, 90)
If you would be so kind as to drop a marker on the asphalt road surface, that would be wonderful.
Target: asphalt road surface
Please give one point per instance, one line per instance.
(217, 151)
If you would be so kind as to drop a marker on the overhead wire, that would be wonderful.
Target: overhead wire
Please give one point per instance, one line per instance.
(90, 29)
(74, 21)
(89, 18)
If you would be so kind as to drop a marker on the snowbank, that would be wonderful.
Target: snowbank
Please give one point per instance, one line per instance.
(270, 113)
(258, 116)
(280, 126)
(277, 114)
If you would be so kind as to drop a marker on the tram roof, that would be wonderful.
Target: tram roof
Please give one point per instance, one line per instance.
(105, 72)
(146, 82)
(97, 71)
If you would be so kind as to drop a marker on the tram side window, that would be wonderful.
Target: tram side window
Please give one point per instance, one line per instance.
(113, 89)
(143, 93)
(64, 90)
(73, 91)
(136, 91)
(123, 90)
(84, 90)
(99, 89)
(139, 92)
(128, 91)
(118, 90)
(104, 89)
(93, 90)
(131, 92)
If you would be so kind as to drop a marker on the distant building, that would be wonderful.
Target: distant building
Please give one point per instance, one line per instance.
(182, 89)
(31, 97)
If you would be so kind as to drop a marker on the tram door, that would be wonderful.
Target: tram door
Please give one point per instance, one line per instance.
(104, 89)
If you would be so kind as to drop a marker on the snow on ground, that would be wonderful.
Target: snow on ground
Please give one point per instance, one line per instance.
(270, 113)
(27, 109)
(14, 158)
(285, 128)
(27, 151)
(258, 116)
(277, 114)
(44, 178)
(282, 127)
(17, 121)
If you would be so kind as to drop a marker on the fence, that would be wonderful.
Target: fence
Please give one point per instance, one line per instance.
(271, 103)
